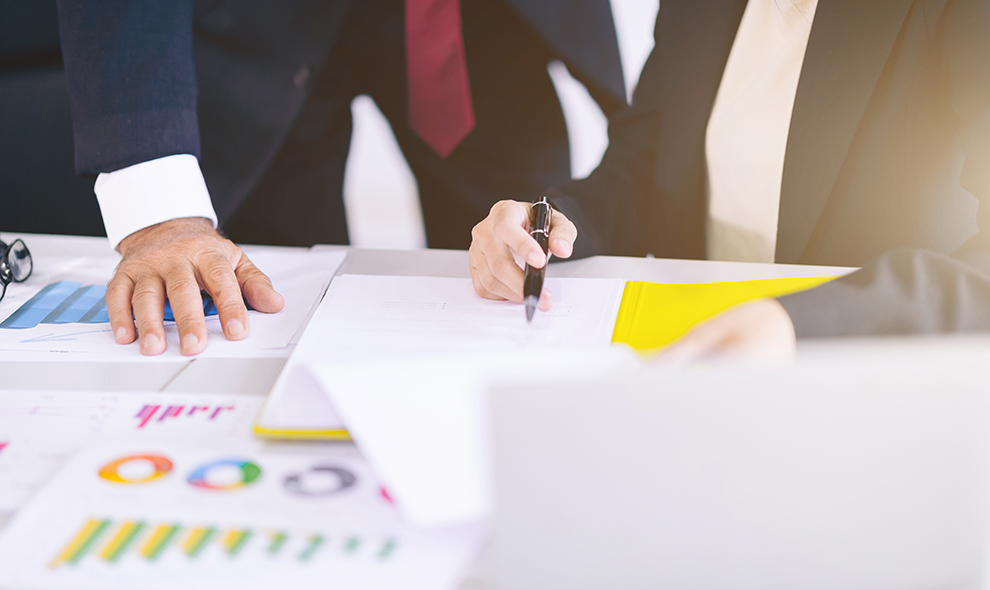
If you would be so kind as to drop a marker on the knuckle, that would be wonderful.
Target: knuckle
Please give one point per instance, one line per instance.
(218, 275)
(184, 286)
(489, 282)
(478, 287)
(231, 308)
(188, 318)
(145, 290)
(499, 268)
(118, 291)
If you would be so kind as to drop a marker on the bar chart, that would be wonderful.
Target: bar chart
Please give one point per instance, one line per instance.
(108, 541)
(71, 302)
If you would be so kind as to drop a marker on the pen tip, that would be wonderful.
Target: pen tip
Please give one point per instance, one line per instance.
(531, 308)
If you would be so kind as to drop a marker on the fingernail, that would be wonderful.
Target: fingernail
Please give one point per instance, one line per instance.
(235, 327)
(190, 342)
(150, 341)
(120, 334)
(536, 259)
(563, 246)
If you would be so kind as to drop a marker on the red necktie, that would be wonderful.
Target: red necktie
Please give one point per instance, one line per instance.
(440, 110)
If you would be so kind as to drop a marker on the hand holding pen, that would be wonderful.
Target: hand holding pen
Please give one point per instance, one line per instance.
(504, 237)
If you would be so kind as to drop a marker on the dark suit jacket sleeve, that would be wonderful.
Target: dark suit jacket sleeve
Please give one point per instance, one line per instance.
(917, 291)
(131, 80)
(605, 206)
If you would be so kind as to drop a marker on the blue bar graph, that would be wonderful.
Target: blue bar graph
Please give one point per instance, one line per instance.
(69, 302)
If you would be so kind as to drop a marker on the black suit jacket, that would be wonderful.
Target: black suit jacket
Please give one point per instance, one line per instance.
(135, 69)
(887, 164)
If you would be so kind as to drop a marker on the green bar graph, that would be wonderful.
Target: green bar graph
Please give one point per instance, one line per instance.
(314, 544)
(387, 549)
(120, 542)
(197, 540)
(278, 541)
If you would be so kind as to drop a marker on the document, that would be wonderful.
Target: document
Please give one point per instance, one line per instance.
(375, 316)
(386, 317)
(163, 515)
(60, 312)
(39, 431)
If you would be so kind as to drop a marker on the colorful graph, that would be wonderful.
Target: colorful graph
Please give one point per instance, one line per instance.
(108, 541)
(319, 480)
(250, 472)
(160, 466)
(70, 302)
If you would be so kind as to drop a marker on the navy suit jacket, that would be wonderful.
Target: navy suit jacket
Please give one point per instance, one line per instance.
(138, 71)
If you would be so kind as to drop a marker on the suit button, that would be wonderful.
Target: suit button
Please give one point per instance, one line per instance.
(301, 77)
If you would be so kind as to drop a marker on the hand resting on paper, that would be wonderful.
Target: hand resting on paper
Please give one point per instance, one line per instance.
(756, 330)
(178, 259)
(502, 238)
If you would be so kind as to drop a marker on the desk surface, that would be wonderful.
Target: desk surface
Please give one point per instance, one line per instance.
(256, 376)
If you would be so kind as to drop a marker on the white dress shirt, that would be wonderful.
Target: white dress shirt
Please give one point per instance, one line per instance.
(151, 192)
(747, 131)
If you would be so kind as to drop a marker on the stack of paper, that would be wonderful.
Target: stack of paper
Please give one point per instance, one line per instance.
(378, 317)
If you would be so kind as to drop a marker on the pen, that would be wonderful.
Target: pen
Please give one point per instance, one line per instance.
(539, 228)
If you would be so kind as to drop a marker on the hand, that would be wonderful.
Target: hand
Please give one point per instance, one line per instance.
(503, 236)
(757, 330)
(178, 259)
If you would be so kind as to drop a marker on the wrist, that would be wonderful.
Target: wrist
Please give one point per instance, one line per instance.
(171, 229)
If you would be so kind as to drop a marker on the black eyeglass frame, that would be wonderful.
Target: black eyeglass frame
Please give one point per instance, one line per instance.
(6, 272)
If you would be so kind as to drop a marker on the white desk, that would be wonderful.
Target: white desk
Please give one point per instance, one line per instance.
(256, 376)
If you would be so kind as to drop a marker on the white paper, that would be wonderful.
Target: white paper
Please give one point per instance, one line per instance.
(367, 317)
(423, 424)
(40, 430)
(314, 518)
(372, 317)
(301, 276)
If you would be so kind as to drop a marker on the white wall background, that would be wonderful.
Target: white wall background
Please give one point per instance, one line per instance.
(379, 189)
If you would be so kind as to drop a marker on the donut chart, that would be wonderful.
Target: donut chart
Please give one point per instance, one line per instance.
(111, 471)
(249, 473)
(319, 480)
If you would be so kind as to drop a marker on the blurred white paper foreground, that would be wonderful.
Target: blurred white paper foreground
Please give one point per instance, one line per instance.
(423, 423)
(367, 317)
(39, 431)
(160, 515)
(59, 313)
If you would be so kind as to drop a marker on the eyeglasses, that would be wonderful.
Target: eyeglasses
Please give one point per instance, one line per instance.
(16, 264)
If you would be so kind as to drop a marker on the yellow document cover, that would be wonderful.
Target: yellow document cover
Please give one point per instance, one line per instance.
(653, 315)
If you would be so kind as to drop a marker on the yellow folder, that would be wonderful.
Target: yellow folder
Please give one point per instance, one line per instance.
(653, 315)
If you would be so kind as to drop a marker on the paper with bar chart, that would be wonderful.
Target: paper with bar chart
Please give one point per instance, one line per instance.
(40, 430)
(60, 312)
(122, 515)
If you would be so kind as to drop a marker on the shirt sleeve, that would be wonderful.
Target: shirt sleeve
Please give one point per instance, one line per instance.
(151, 192)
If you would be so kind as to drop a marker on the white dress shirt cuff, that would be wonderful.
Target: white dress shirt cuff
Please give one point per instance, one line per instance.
(151, 192)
